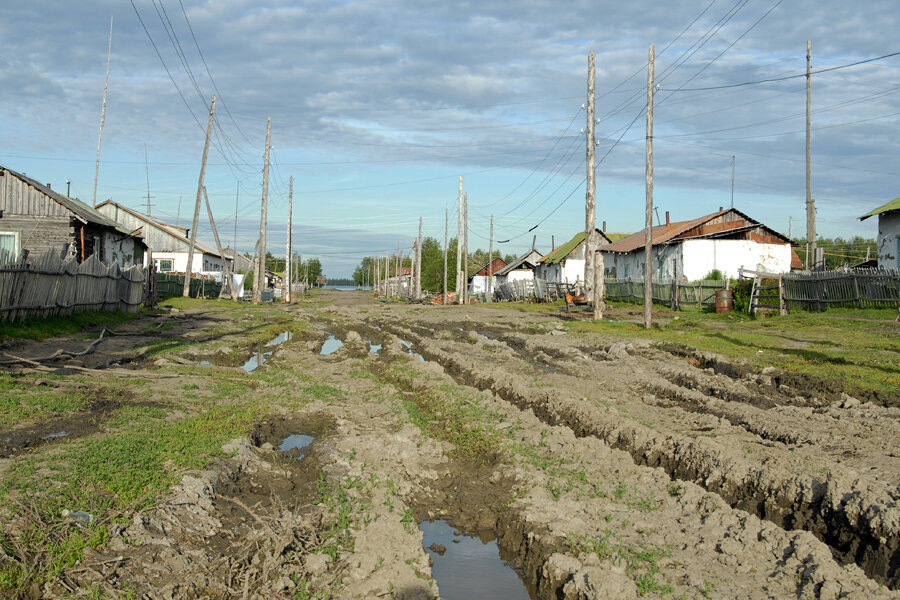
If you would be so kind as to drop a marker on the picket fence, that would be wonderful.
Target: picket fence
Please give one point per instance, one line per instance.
(55, 284)
(854, 288)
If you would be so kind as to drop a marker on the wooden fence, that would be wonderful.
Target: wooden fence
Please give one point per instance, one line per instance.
(856, 288)
(172, 284)
(670, 293)
(54, 284)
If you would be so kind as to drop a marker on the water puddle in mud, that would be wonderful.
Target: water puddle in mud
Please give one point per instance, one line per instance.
(296, 441)
(467, 568)
(331, 345)
(57, 434)
(281, 338)
(258, 358)
(374, 348)
(410, 350)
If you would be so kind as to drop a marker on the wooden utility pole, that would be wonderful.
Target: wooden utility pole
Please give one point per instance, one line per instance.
(490, 291)
(466, 247)
(286, 295)
(103, 113)
(810, 203)
(459, 246)
(190, 260)
(446, 227)
(261, 272)
(237, 197)
(419, 262)
(592, 293)
(648, 240)
(228, 280)
(399, 266)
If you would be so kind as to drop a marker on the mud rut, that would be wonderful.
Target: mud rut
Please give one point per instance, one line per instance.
(735, 483)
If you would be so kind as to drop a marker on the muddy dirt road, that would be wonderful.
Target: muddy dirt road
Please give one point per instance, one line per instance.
(602, 467)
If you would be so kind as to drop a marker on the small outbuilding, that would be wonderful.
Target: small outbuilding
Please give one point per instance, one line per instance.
(565, 264)
(478, 283)
(888, 233)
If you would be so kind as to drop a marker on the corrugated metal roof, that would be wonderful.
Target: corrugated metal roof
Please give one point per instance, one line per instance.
(81, 210)
(659, 234)
(892, 205)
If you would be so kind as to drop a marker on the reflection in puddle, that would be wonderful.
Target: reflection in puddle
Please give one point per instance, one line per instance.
(296, 441)
(374, 348)
(57, 434)
(331, 345)
(258, 358)
(281, 338)
(467, 568)
(410, 350)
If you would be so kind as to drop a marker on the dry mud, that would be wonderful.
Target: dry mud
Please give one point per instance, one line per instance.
(618, 469)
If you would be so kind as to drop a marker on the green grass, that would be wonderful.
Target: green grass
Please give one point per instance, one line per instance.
(41, 329)
(855, 350)
(20, 401)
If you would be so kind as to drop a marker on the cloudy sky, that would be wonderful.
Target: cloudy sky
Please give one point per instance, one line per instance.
(378, 107)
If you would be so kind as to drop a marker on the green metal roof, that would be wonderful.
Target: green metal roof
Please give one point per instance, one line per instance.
(892, 205)
(563, 251)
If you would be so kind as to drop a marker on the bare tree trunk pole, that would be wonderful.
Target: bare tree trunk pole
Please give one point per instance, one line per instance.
(810, 203)
(190, 260)
(261, 272)
(103, 115)
(648, 240)
(490, 291)
(446, 227)
(286, 295)
(459, 246)
(212, 223)
(419, 263)
(466, 247)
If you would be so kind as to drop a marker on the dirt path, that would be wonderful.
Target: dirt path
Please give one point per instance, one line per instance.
(604, 468)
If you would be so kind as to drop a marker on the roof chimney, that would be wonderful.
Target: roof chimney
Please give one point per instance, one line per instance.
(604, 226)
(720, 209)
(48, 186)
(667, 217)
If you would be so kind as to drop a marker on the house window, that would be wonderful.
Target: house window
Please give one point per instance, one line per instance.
(165, 265)
(9, 241)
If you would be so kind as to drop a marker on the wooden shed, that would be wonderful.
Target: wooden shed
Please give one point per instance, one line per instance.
(33, 217)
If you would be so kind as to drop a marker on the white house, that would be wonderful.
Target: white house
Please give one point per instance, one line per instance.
(486, 276)
(168, 244)
(565, 264)
(888, 233)
(725, 240)
(521, 269)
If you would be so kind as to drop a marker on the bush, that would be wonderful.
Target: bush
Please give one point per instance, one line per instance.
(740, 291)
(714, 275)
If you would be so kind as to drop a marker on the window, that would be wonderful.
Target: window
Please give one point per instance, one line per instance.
(9, 241)
(165, 265)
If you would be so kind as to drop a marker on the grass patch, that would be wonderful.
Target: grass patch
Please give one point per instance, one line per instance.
(20, 401)
(855, 350)
(40, 329)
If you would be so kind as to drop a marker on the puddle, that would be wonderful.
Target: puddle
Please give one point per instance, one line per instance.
(374, 348)
(281, 338)
(296, 441)
(467, 568)
(410, 350)
(318, 325)
(205, 363)
(57, 434)
(331, 345)
(255, 360)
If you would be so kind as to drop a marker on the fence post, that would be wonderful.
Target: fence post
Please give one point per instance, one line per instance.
(856, 291)
(782, 304)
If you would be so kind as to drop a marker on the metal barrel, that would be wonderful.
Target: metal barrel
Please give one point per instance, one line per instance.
(724, 301)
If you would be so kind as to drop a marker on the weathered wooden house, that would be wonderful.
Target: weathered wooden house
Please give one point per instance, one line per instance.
(888, 233)
(725, 240)
(565, 264)
(169, 244)
(33, 217)
(521, 269)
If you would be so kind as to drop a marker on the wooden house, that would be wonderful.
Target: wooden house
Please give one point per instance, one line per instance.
(565, 264)
(725, 240)
(33, 217)
(169, 244)
(888, 233)
(521, 269)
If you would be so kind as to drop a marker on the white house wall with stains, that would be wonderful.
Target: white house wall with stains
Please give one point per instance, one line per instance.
(694, 259)
(889, 239)
(177, 262)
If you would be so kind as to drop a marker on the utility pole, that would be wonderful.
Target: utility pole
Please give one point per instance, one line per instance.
(810, 203)
(732, 181)
(446, 227)
(466, 247)
(286, 293)
(190, 260)
(490, 291)
(648, 240)
(178, 213)
(261, 271)
(228, 281)
(459, 246)
(147, 168)
(419, 263)
(237, 197)
(592, 292)
(103, 113)
(790, 227)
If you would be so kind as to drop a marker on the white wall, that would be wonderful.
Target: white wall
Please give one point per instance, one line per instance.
(631, 265)
(889, 239)
(479, 284)
(520, 274)
(202, 262)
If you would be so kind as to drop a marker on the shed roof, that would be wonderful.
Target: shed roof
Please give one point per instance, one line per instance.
(173, 231)
(529, 259)
(892, 205)
(483, 271)
(561, 252)
(82, 211)
(694, 229)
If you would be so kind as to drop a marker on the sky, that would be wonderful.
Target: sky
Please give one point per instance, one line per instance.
(378, 108)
